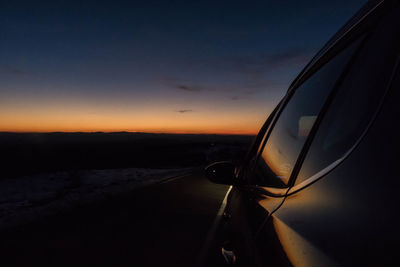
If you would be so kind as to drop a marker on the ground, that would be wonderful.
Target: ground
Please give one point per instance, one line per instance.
(164, 224)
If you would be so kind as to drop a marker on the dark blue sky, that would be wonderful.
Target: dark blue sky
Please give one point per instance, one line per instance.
(155, 65)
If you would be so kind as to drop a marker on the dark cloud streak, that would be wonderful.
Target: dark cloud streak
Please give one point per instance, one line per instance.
(254, 73)
(260, 64)
(189, 88)
(181, 84)
(184, 110)
(5, 69)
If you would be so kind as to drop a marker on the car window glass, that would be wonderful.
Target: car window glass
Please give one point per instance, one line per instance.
(293, 126)
(355, 102)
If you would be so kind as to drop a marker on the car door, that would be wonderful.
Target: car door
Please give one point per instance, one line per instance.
(268, 174)
(327, 217)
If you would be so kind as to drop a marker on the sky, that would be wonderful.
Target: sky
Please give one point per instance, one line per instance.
(155, 66)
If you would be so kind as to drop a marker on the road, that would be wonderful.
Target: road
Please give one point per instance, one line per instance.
(160, 225)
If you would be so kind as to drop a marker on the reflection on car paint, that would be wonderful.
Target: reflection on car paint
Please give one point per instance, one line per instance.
(299, 251)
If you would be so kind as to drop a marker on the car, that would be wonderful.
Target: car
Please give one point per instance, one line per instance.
(320, 186)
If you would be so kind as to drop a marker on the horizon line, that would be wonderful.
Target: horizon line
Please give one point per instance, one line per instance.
(130, 132)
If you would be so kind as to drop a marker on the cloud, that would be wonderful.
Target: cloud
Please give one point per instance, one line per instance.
(256, 65)
(184, 110)
(272, 72)
(235, 89)
(189, 88)
(6, 69)
(292, 56)
(238, 77)
(181, 84)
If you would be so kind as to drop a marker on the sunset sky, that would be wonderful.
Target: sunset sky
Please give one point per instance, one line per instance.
(155, 66)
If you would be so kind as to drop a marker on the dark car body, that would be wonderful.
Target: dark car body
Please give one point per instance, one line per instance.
(320, 185)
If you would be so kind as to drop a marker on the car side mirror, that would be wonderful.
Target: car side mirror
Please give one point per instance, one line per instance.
(222, 172)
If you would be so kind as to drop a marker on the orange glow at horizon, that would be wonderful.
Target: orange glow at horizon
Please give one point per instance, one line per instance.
(132, 129)
(89, 114)
(45, 120)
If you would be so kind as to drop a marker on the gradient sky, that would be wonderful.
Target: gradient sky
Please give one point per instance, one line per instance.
(155, 66)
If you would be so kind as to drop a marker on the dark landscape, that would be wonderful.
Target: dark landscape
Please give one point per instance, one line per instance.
(166, 224)
(32, 153)
(110, 199)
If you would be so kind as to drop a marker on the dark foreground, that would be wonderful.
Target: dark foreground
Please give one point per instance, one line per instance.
(35, 153)
(161, 225)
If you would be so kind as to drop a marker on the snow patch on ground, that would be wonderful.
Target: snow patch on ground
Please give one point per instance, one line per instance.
(28, 198)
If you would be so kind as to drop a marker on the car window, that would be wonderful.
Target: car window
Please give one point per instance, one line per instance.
(356, 100)
(294, 124)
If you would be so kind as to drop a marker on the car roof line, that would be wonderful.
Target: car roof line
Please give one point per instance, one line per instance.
(344, 31)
